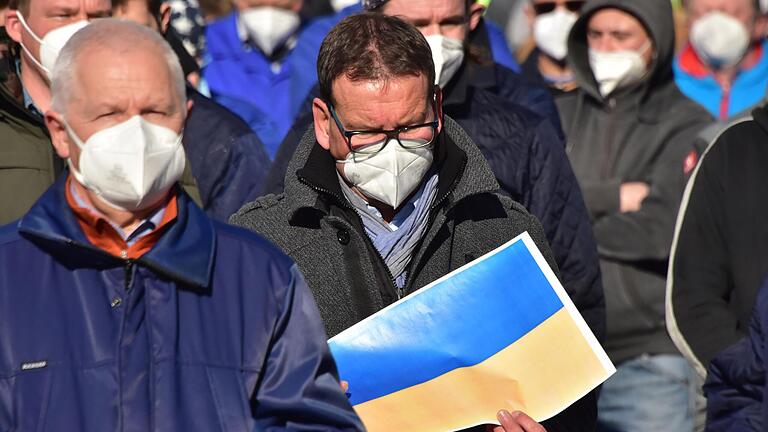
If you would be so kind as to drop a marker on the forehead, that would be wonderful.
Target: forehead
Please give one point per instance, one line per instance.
(721, 4)
(137, 73)
(425, 9)
(71, 5)
(612, 20)
(380, 103)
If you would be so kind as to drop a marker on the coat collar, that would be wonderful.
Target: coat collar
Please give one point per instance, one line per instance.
(184, 253)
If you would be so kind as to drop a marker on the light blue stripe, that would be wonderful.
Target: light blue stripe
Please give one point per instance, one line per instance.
(461, 322)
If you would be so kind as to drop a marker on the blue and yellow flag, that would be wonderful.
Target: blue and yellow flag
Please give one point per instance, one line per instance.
(498, 333)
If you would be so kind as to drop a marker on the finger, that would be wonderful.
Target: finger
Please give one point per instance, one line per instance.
(527, 423)
(508, 423)
(344, 386)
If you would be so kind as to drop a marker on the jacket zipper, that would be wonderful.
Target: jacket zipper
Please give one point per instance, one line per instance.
(608, 144)
(398, 291)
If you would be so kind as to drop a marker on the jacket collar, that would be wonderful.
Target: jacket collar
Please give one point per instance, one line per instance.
(470, 74)
(462, 170)
(184, 253)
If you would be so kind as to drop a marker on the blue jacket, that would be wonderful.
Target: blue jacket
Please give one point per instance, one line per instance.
(697, 82)
(736, 387)
(227, 159)
(240, 76)
(213, 329)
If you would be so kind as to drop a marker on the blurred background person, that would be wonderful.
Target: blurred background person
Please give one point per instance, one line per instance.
(724, 65)
(551, 21)
(36, 33)
(630, 136)
(260, 63)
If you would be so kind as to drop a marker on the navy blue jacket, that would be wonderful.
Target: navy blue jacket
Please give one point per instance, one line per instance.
(227, 159)
(527, 155)
(213, 329)
(736, 387)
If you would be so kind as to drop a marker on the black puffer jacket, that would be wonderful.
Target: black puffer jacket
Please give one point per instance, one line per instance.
(643, 133)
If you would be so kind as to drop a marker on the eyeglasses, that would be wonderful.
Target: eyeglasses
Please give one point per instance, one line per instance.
(370, 142)
(547, 7)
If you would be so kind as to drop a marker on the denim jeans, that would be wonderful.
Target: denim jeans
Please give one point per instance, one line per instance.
(649, 393)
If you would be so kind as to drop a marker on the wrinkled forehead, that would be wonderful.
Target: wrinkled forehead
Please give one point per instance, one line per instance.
(614, 20)
(68, 7)
(139, 75)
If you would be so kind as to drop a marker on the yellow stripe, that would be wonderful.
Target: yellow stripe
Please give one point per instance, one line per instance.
(454, 400)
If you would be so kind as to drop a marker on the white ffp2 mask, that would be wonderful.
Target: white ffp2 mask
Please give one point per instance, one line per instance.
(550, 32)
(130, 165)
(447, 54)
(390, 175)
(617, 69)
(269, 27)
(719, 39)
(51, 44)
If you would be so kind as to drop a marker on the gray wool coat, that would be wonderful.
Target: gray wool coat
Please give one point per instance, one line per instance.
(315, 225)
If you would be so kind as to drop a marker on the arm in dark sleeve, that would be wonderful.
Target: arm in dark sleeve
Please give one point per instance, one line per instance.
(647, 234)
(299, 389)
(700, 286)
(553, 196)
(736, 380)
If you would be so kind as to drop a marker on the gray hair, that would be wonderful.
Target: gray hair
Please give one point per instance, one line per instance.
(117, 37)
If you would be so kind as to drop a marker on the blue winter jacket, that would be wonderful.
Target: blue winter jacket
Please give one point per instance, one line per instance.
(213, 329)
(242, 78)
(227, 159)
(736, 387)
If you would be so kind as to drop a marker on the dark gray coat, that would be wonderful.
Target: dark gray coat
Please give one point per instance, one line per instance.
(645, 133)
(313, 223)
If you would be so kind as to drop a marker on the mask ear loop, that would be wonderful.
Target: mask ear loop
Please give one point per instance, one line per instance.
(39, 41)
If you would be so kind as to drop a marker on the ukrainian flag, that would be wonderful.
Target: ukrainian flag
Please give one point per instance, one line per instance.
(498, 333)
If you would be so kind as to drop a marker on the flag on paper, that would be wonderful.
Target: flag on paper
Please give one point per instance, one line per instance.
(498, 333)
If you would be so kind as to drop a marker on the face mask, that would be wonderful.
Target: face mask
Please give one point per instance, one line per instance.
(390, 175)
(269, 27)
(719, 39)
(50, 44)
(447, 54)
(617, 69)
(130, 165)
(550, 31)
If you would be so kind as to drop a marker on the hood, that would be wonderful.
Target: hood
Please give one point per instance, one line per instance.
(655, 15)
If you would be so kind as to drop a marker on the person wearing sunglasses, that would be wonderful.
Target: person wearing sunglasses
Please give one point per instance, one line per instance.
(385, 194)
(551, 21)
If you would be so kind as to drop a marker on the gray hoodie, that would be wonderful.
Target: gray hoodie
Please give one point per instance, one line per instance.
(643, 133)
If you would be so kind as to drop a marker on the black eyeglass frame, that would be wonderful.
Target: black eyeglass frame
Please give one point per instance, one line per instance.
(389, 134)
(572, 6)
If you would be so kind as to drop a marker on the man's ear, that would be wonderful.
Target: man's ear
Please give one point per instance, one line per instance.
(13, 25)
(322, 119)
(530, 15)
(59, 136)
(476, 11)
(439, 108)
(165, 17)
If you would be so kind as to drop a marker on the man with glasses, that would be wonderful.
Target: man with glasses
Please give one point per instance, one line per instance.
(385, 195)
(551, 21)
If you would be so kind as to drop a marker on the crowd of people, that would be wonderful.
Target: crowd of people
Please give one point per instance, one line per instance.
(195, 195)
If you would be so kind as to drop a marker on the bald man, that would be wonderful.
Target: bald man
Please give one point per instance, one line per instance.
(124, 307)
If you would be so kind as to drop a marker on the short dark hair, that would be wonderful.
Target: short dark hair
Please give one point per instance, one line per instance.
(373, 47)
(153, 7)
